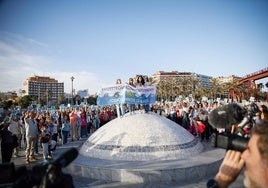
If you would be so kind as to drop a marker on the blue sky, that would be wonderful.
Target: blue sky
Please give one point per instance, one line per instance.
(98, 41)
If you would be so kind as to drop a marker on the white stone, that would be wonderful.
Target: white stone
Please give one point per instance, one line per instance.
(141, 137)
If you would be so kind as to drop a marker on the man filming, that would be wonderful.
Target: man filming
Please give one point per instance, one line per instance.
(254, 158)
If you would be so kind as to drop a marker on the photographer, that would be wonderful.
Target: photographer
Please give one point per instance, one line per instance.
(254, 158)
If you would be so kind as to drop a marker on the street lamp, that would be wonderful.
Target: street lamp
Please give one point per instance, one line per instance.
(72, 79)
(172, 89)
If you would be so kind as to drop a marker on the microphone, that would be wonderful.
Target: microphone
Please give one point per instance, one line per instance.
(66, 158)
(227, 115)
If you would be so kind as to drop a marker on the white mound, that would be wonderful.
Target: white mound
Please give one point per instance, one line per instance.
(141, 137)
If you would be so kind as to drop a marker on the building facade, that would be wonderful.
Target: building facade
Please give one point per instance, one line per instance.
(172, 84)
(44, 87)
(227, 79)
(203, 80)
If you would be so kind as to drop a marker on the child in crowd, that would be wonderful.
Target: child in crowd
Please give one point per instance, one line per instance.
(45, 140)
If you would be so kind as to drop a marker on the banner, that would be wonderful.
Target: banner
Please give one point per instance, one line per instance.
(126, 94)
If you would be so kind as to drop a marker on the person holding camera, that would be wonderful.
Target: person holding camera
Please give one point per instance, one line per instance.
(254, 158)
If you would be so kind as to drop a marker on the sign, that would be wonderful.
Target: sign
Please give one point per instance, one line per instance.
(126, 94)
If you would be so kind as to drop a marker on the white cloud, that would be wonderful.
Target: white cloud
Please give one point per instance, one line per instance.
(82, 80)
(17, 64)
(5, 48)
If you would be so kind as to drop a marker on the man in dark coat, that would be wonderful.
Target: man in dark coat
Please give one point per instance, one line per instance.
(7, 144)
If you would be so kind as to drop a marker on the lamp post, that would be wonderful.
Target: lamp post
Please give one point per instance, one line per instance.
(172, 89)
(72, 79)
(47, 97)
(39, 93)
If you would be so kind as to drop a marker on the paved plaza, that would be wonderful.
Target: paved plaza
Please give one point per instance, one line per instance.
(142, 150)
(84, 182)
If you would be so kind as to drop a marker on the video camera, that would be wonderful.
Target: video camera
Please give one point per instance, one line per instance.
(225, 117)
(229, 141)
(45, 175)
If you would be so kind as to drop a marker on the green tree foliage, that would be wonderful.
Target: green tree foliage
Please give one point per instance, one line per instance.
(7, 104)
(92, 100)
(26, 100)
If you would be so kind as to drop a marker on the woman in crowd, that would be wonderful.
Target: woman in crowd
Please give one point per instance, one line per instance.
(65, 130)
(83, 118)
(73, 121)
(140, 83)
(119, 107)
(132, 105)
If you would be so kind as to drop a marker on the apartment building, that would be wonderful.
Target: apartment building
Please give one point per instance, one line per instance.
(204, 80)
(43, 86)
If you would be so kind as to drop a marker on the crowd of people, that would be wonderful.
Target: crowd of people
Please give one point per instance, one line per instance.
(140, 81)
(31, 129)
(47, 130)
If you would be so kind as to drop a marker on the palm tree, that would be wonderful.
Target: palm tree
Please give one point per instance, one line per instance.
(200, 92)
(224, 90)
(168, 88)
(195, 84)
(215, 88)
(235, 91)
(61, 99)
(160, 90)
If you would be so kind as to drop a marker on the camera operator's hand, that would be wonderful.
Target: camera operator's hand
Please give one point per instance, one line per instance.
(230, 168)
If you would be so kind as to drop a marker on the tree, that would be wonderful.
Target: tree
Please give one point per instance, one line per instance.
(161, 90)
(200, 92)
(77, 99)
(61, 99)
(215, 88)
(195, 84)
(235, 91)
(184, 86)
(224, 90)
(91, 100)
(26, 101)
(7, 104)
